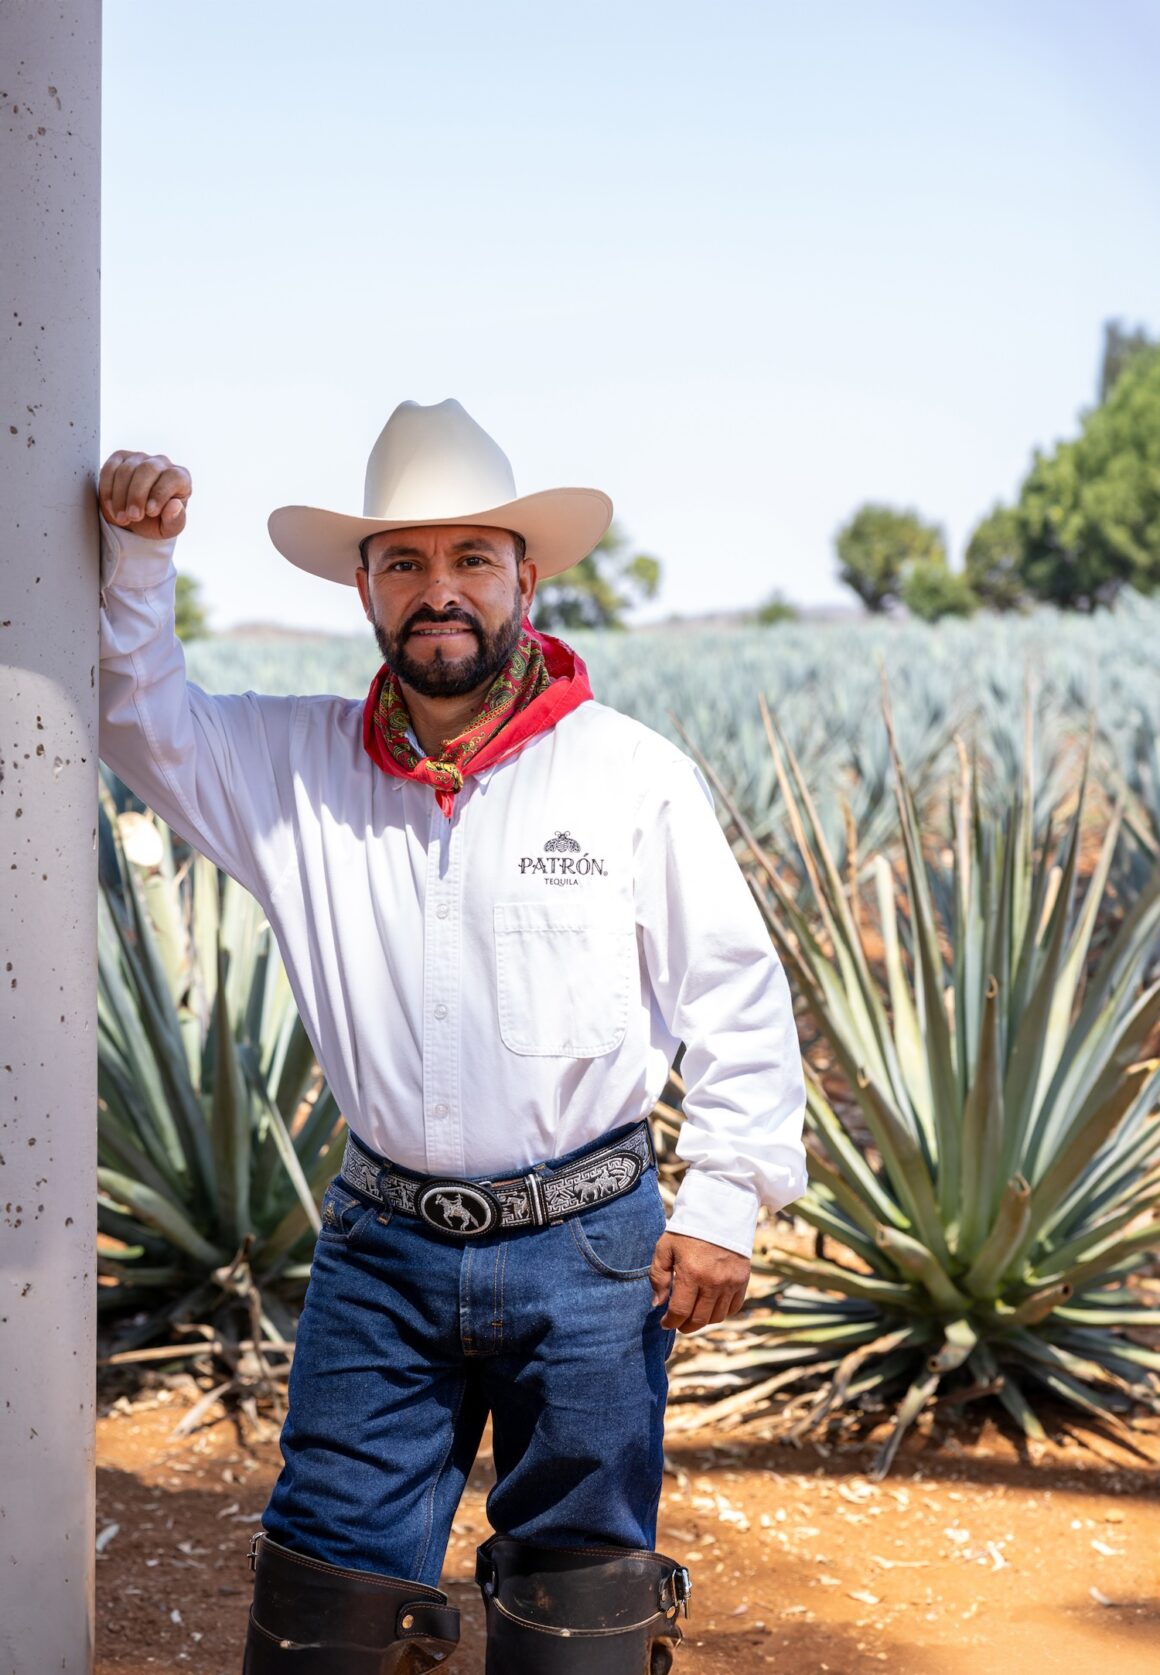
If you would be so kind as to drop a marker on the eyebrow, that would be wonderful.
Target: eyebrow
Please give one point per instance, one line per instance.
(400, 550)
(397, 550)
(474, 544)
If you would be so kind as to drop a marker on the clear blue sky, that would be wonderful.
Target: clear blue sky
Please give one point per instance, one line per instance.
(742, 265)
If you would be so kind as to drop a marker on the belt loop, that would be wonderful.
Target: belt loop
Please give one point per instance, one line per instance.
(536, 1197)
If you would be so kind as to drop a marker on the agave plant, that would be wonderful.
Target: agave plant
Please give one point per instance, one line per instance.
(987, 1239)
(216, 1135)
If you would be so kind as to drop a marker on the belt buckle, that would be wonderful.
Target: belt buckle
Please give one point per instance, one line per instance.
(457, 1207)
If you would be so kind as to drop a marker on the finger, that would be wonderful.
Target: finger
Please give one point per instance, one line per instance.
(173, 482)
(173, 517)
(661, 1272)
(105, 480)
(119, 491)
(728, 1303)
(141, 485)
(724, 1304)
(682, 1304)
(702, 1314)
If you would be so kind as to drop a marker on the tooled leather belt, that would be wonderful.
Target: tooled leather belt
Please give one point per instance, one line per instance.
(544, 1196)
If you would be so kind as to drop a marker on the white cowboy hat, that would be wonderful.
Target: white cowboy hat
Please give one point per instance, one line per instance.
(435, 465)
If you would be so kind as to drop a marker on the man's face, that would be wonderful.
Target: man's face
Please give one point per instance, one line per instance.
(446, 603)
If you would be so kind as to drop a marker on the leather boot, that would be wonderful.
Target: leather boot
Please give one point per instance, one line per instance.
(579, 1611)
(310, 1618)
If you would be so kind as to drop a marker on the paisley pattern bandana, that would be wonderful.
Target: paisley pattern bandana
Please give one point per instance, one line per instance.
(540, 682)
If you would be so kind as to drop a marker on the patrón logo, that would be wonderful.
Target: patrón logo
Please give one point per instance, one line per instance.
(563, 862)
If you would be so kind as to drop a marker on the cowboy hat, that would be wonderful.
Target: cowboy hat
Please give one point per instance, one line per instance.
(435, 465)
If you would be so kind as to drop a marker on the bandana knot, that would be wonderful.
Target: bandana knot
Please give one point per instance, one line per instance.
(540, 682)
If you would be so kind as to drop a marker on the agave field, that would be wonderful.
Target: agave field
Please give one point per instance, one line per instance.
(989, 1235)
(215, 1133)
(822, 681)
(952, 833)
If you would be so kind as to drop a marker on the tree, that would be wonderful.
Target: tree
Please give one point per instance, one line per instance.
(597, 592)
(190, 618)
(1121, 347)
(876, 548)
(994, 565)
(1089, 513)
(932, 590)
(777, 608)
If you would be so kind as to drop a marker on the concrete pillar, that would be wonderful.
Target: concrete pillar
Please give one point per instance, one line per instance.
(50, 71)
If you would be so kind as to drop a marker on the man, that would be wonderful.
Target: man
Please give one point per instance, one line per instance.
(502, 906)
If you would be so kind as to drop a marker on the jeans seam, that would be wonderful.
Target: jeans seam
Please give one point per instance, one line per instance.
(466, 1324)
(500, 1273)
(438, 1478)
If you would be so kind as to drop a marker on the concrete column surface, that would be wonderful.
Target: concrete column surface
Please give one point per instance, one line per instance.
(50, 72)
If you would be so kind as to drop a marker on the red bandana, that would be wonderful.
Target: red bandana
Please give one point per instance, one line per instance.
(540, 682)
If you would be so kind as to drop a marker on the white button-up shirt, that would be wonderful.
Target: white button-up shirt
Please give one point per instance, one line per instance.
(494, 989)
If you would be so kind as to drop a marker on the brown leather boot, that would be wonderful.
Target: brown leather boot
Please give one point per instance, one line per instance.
(310, 1618)
(580, 1611)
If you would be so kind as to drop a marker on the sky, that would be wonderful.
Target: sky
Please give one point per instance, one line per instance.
(743, 265)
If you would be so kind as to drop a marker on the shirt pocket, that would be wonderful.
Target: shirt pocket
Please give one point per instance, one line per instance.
(564, 978)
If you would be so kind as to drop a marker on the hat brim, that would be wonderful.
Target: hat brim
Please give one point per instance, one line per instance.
(559, 526)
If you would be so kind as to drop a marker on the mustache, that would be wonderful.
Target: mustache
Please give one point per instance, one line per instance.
(439, 619)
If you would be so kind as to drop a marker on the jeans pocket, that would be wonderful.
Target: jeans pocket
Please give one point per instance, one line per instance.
(343, 1213)
(618, 1239)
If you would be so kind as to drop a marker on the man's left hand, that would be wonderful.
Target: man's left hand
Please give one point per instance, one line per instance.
(702, 1283)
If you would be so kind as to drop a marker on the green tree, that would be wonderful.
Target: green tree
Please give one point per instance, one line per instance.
(932, 590)
(994, 563)
(1121, 347)
(190, 617)
(877, 547)
(1090, 512)
(777, 608)
(597, 592)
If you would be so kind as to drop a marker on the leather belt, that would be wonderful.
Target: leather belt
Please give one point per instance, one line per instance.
(547, 1194)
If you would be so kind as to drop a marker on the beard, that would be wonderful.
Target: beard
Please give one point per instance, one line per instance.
(442, 677)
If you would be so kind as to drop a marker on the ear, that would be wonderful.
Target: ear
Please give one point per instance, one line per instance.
(527, 581)
(362, 582)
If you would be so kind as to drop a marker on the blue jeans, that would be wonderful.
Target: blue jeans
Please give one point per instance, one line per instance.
(410, 1338)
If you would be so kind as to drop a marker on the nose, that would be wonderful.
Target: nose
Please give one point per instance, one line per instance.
(441, 585)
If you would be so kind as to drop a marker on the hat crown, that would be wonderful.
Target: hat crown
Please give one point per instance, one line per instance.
(435, 462)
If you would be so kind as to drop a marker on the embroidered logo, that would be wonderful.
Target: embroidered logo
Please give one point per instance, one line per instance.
(567, 861)
(462, 1210)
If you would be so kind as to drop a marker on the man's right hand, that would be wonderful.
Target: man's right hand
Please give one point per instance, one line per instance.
(144, 493)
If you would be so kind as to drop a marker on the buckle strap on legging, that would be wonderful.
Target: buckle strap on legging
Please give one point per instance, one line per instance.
(674, 1585)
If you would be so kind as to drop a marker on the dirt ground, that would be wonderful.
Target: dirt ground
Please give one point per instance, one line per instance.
(970, 1557)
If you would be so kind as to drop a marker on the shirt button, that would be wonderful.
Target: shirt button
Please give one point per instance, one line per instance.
(442, 910)
(438, 1110)
(440, 1010)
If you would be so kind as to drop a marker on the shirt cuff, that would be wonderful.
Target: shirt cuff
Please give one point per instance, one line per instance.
(717, 1210)
(133, 562)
